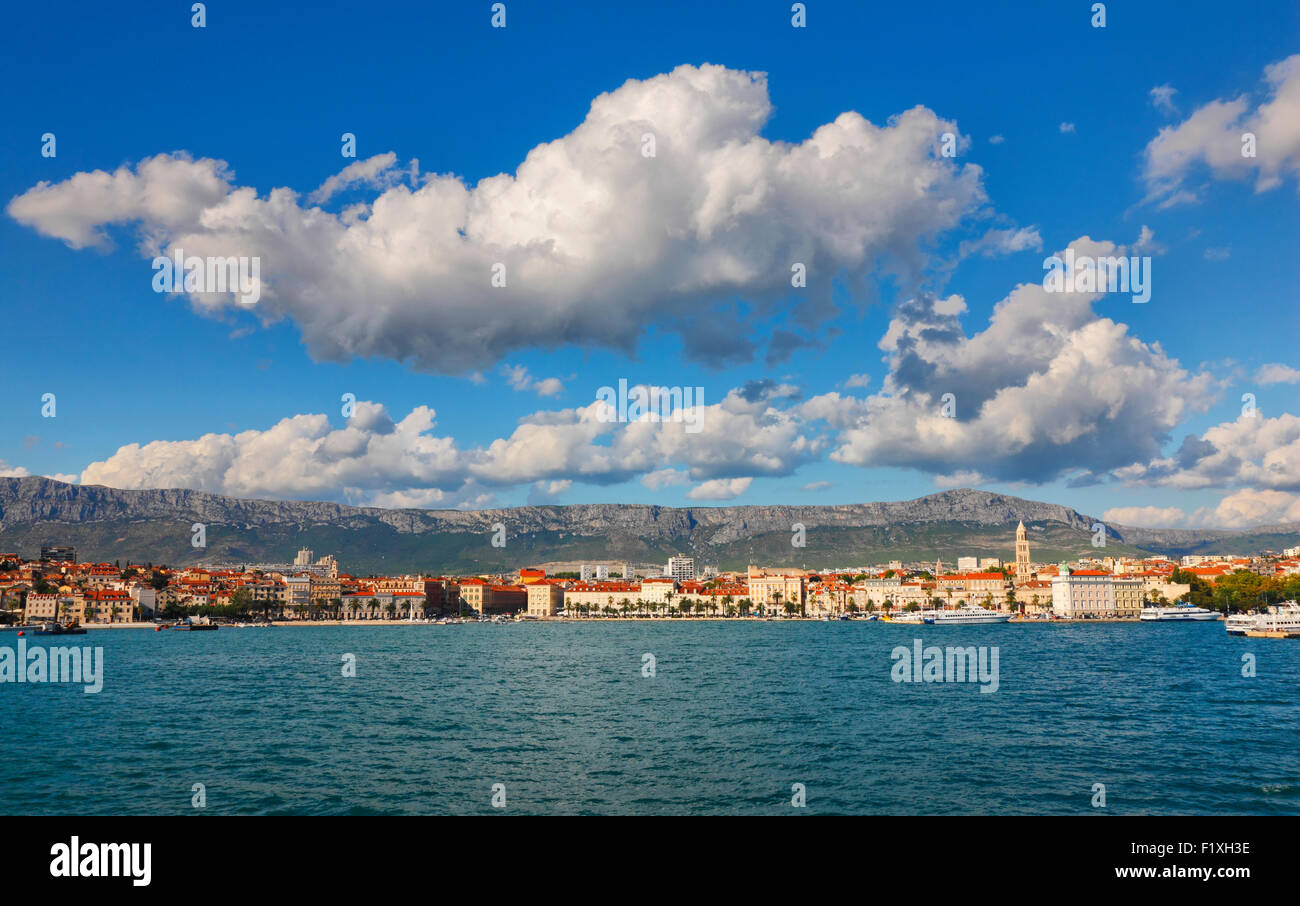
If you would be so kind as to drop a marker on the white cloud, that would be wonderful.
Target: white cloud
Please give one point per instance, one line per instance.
(996, 139)
(1251, 452)
(1277, 373)
(1212, 137)
(1147, 516)
(1004, 242)
(599, 242)
(376, 171)
(857, 380)
(375, 459)
(1249, 507)
(663, 478)
(1066, 128)
(519, 379)
(1047, 390)
(720, 489)
(1162, 98)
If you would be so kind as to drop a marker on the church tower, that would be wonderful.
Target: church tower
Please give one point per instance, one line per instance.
(1022, 554)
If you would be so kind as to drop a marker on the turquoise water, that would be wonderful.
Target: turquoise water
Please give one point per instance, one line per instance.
(735, 715)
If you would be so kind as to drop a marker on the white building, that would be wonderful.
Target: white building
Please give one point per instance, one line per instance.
(1092, 593)
(680, 568)
(967, 564)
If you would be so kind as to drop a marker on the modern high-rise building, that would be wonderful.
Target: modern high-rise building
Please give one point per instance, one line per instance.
(58, 554)
(304, 557)
(1022, 554)
(680, 568)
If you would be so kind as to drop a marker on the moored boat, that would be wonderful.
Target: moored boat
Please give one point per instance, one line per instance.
(1178, 613)
(969, 614)
(73, 628)
(1284, 618)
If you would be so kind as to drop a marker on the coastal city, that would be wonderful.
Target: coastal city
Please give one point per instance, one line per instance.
(56, 588)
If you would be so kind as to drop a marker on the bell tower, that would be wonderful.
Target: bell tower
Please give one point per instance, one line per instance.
(1022, 554)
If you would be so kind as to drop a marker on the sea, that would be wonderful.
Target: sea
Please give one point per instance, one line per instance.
(660, 717)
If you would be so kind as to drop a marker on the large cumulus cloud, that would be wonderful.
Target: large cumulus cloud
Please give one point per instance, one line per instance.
(598, 241)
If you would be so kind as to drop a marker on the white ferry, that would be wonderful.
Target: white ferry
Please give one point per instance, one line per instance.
(1179, 613)
(969, 614)
(1284, 617)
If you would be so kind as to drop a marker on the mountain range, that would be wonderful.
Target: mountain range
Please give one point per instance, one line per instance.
(155, 526)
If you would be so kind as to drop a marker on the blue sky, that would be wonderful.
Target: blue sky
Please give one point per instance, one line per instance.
(269, 92)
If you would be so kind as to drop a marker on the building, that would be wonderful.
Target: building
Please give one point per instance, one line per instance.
(967, 564)
(601, 597)
(58, 554)
(1023, 572)
(304, 557)
(108, 605)
(680, 568)
(145, 599)
(1084, 594)
(545, 599)
(986, 589)
(1127, 592)
(486, 598)
(773, 589)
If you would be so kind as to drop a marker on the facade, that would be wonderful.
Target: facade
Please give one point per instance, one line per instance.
(1084, 594)
(55, 553)
(1023, 572)
(485, 598)
(773, 589)
(680, 568)
(986, 588)
(545, 599)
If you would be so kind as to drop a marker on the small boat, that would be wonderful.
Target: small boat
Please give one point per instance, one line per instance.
(1179, 613)
(73, 628)
(195, 624)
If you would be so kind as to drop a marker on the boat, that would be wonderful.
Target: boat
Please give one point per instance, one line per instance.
(195, 624)
(968, 614)
(73, 628)
(1284, 618)
(1178, 613)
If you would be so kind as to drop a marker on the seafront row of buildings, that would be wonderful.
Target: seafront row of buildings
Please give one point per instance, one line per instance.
(57, 587)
